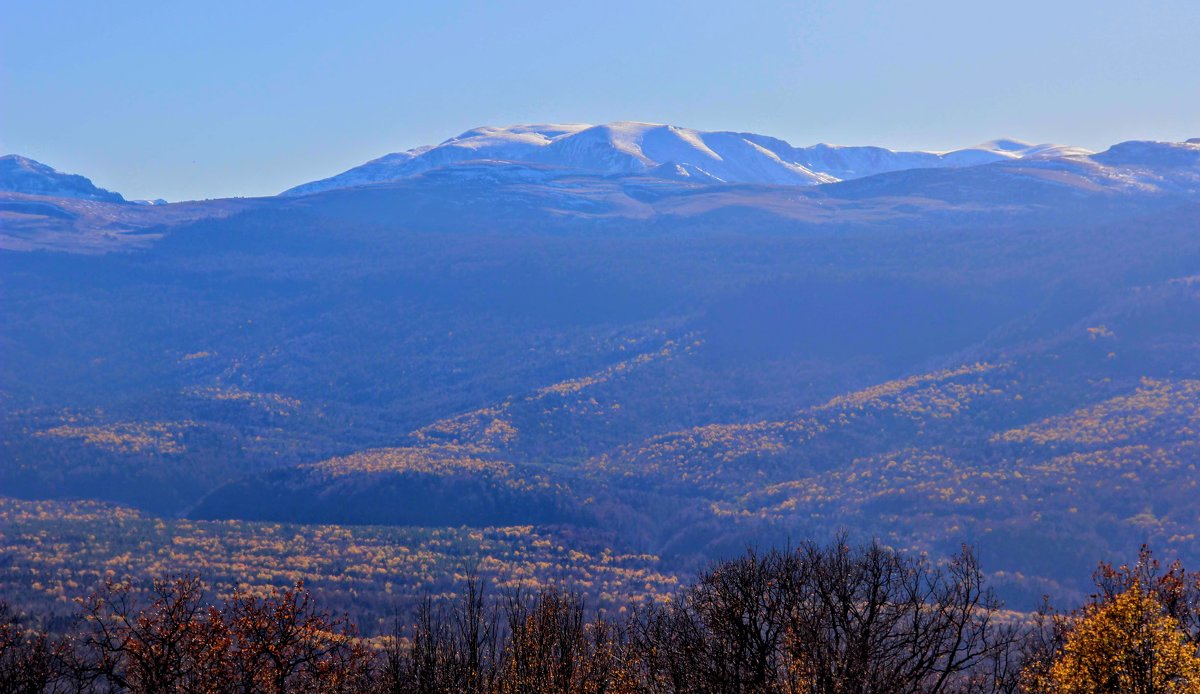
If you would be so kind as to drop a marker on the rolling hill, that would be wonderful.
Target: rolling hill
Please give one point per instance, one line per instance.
(599, 331)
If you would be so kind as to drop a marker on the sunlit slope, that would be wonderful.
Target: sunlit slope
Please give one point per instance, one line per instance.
(684, 366)
(55, 551)
(1077, 445)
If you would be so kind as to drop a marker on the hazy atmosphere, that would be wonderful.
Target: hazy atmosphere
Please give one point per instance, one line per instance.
(518, 348)
(192, 100)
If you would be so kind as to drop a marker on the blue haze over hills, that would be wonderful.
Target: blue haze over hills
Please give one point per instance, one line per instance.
(674, 340)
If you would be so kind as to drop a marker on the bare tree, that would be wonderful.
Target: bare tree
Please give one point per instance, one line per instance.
(175, 644)
(440, 654)
(727, 633)
(835, 619)
(31, 662)
(552, 647)
(284, 643)
(869, 619)
(838, 619)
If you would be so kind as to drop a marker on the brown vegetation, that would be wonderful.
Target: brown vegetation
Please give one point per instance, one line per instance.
(815, 619)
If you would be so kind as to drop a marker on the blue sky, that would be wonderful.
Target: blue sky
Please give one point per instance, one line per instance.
(188, 100)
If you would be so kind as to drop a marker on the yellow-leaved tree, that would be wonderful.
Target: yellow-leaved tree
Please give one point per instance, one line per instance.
(1127, 645)
(1138, 636)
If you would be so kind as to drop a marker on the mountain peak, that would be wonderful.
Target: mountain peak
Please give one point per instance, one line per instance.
(533, 134)
(20, 174)
(1005, 144)
(625, 148)
(1153, 154)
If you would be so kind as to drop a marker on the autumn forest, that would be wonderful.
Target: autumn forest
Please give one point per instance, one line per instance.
(507, 427)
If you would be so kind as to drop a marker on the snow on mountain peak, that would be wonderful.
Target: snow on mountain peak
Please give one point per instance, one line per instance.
(517, 135)
(1146, 153)
(24, 175)
(627, 148)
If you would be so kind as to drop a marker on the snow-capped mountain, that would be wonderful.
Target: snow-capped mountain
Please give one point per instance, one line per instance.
(667, 151)
(1152, 155)
(23, 175)
(1133, 166)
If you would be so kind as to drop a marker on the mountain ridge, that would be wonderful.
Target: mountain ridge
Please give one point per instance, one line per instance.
(679, 363)
(20, 174)
(635, 148)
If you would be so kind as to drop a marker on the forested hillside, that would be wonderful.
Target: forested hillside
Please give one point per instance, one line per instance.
(1005, 355)
(814, 618)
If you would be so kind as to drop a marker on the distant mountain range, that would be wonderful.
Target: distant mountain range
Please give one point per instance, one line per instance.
(668, 151)
(538, 153)
(503, 177)
(673, 342)
(23, 175)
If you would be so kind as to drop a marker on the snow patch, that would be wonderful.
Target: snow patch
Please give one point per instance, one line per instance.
(635, 148)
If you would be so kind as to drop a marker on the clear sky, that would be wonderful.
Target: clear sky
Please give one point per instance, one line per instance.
(192, 100)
